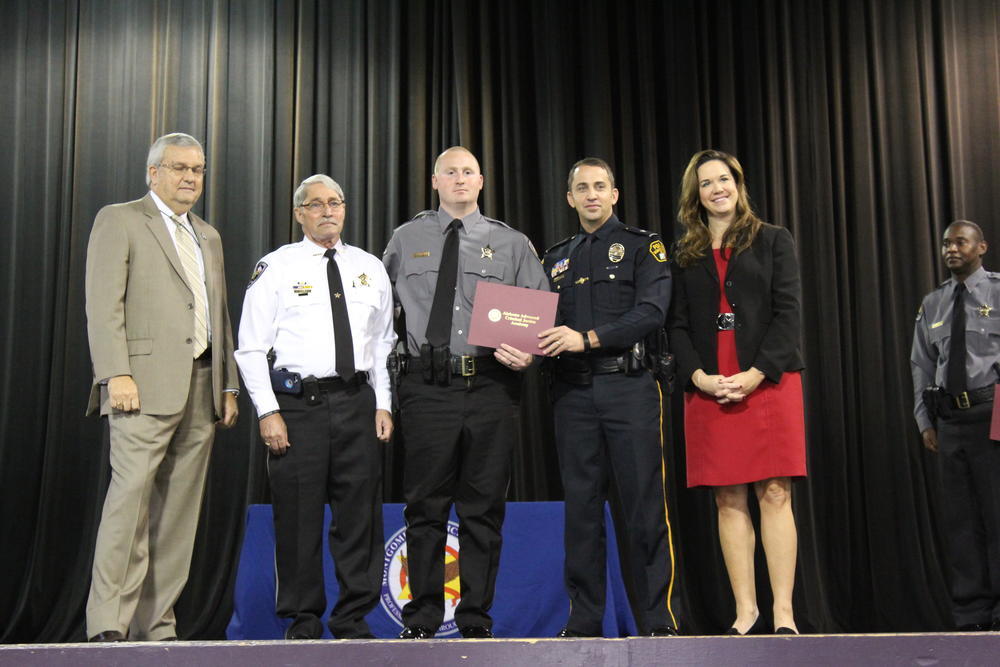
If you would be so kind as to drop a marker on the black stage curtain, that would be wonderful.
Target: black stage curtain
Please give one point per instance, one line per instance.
(864, 127)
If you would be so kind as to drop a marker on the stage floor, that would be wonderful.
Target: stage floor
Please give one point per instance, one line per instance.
(889, 649)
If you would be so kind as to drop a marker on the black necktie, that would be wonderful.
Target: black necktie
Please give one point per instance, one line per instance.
(342, 340)
(584, 303)
(957, 379)
(439, 323)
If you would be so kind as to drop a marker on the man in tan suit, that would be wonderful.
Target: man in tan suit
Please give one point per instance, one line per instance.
(164, 376)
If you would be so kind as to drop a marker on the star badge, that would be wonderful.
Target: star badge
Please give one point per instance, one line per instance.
(984, 310)
(363, 279)
(487, 253)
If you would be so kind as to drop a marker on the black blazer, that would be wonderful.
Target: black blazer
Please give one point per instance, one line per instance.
(762, 285)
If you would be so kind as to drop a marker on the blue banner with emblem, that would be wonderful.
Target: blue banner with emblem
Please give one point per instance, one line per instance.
(530, 599)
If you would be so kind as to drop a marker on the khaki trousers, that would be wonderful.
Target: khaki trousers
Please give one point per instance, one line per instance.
(150, 517)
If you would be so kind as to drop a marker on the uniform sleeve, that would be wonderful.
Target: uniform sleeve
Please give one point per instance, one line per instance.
(529, 271)
(390, 258)
(652, 300)
(781, 338)
(923, 363)
(258, 329)
(106, 279)
(382, 344)
(679, 332)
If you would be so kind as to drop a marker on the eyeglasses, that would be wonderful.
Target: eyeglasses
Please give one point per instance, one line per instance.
(178, 168)
(317, 206)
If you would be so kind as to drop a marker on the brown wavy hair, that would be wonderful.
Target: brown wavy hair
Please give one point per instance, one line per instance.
(697, 240)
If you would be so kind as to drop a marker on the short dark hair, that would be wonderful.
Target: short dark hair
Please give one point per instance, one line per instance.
(589, 162)
(970, 224)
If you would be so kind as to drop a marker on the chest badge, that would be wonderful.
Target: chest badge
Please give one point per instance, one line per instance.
(984, 310)
(616, 252)
(302, 288)
(364, 280)
(559, 267)
(487, 253)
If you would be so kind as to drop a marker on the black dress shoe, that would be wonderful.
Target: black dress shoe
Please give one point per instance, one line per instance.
(108, 636)
(752, 630)
(566, 633)
(665, 631)
(785, 631)
(476, 632)
(308, 627)
(416, 632)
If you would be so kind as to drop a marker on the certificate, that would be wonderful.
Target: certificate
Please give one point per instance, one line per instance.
(512, 315)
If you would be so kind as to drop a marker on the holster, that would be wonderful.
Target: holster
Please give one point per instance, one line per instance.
(937, 402)
(310, 389)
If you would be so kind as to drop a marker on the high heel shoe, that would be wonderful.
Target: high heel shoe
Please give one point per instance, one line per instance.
(785, 631)
(752, 630)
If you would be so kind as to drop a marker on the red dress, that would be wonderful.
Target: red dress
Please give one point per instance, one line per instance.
(760, 437)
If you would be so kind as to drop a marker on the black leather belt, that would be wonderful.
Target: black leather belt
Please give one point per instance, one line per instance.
(726, 321)
(337, 383)
(967, 399)
(596, 365)
(465, 365)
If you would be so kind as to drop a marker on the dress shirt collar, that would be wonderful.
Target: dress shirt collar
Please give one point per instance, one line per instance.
(976, 277)
(167, 213)
(604, 231)
(312, 248)
(444, 219)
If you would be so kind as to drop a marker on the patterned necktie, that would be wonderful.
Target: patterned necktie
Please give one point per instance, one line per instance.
(188, 254)
(343, 342)
(439, 322)
(957, 380)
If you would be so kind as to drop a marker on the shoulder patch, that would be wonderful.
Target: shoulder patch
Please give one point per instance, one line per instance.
(257, 272)
(657, 250)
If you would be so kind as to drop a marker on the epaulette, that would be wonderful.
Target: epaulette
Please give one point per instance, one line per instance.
(499, 222)
(641, 232)
(559, 243)
(993, 274)
(423, 214)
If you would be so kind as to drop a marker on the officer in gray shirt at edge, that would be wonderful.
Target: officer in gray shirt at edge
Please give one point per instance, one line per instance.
(953, 405)
(459, 403)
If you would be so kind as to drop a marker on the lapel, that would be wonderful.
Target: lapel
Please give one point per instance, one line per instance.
(207, 254)
(154, 222)
(708, 263)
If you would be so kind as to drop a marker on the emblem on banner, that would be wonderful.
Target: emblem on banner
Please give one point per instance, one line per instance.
(396, 579)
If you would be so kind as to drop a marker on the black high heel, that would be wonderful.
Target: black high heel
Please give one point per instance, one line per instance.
(785, 631)
(753, 630)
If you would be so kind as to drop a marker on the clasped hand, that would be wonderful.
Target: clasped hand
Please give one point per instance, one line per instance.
(728, 389)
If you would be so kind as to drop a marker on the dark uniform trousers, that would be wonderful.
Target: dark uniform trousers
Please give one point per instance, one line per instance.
(612, 427)
(334, 457)
(459, 440)
(970, 467)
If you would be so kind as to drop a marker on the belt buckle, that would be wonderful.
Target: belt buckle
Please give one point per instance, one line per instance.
(962, 401)
(726, 321)
(468, 365)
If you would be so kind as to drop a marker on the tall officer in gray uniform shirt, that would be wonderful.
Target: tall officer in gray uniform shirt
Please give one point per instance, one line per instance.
(958, 398)
(458, 402)
(325, 308)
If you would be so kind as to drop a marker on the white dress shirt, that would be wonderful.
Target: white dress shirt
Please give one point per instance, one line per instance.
(287, 308)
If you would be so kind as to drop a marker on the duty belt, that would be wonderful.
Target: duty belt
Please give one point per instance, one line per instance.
(465, 365)
(726, 321)
(337, 383)
(967, 399)
(597, 365)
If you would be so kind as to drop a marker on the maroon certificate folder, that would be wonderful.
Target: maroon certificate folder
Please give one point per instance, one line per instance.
(512, 315)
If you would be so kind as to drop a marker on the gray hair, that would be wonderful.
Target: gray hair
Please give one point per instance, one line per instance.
(299, 197)
(160, 145)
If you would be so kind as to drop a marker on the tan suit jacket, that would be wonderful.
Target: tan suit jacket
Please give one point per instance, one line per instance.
(140, 310)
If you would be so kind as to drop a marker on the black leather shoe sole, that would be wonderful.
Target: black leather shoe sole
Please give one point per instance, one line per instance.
(476, 632)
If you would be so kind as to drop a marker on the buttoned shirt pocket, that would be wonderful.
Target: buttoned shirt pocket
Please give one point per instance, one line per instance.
(938, 336)
(472, 271)
(361, 305)
(421, 275)
(614, 286)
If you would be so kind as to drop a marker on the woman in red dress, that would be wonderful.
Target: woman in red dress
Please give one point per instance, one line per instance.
(734, 329)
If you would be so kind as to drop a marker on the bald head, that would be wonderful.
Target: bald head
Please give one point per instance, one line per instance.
(458, 181)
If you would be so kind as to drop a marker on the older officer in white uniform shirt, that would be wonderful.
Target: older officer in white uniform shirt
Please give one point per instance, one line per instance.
(325, 308)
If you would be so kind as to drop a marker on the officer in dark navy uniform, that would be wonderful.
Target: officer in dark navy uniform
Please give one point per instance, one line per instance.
(614, 291)
(956, 347)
